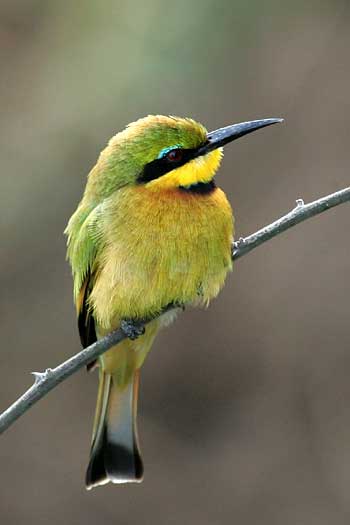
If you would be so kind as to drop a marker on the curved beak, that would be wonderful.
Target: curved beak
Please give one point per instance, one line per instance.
(220, 137)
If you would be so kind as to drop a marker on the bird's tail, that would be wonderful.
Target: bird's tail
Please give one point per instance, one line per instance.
(115, 454)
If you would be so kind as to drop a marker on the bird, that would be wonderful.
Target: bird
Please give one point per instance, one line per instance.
(151, 235)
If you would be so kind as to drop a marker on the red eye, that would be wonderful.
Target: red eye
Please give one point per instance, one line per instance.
(175, 155)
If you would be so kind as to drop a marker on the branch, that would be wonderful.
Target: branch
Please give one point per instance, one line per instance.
(46, 381)
(299, 214)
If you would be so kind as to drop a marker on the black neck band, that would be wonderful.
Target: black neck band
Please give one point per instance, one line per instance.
(200, 187)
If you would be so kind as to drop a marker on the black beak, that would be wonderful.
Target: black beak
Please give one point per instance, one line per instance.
(222, 136)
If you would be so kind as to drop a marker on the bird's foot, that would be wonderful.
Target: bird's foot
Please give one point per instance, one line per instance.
(132, 329)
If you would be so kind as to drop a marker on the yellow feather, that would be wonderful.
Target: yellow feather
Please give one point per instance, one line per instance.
(200, 169)
(161, 247)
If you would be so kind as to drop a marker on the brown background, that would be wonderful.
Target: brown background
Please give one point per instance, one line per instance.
(245, 412)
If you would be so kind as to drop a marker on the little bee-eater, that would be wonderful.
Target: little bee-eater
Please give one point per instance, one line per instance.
(151, 230)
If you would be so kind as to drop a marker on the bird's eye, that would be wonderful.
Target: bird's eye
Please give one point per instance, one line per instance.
(174, 155)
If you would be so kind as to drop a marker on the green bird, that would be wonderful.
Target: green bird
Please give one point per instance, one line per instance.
(151, 230)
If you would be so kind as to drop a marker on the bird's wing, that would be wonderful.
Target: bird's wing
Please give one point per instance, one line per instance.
(83, 247)
(86, 321)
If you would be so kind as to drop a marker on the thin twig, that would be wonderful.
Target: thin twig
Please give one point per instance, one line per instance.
(46, 381)
(299, 214)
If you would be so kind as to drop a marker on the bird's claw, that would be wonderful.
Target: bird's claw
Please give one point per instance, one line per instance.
(132, 329)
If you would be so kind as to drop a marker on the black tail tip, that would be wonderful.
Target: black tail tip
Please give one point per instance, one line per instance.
(113, 463)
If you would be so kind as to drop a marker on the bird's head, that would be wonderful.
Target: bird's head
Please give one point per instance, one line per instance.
(163, 152)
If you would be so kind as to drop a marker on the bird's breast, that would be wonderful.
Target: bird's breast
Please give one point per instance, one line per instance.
(161, 247)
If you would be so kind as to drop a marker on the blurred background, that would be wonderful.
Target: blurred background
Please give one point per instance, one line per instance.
(257, 430)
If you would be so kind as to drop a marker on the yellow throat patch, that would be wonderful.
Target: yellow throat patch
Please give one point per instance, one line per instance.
(200, 169)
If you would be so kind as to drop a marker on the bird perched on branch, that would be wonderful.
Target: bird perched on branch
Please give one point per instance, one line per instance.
(152, 230)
